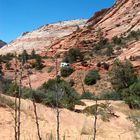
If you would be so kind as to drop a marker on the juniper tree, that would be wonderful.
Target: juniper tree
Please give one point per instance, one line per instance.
(122, 75)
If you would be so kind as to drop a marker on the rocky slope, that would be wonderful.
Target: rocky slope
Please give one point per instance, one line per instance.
(2, 43)
(118, 20)
(122, 18)
(44, 36)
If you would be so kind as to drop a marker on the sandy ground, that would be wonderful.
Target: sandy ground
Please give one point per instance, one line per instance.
(75, 126)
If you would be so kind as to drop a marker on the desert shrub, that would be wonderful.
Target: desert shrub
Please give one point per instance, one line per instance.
(12, 88)
(109, 50)
(111, 96)
(38, 65)
(23, 57)
(66, 71)
(33, 54)
(27, 93)
(88, 95)
(117, 40)
(46, 94)
(132, 95)
(4, 84)
(105, 110)
(67, 96)
(101, 44)
(92, 77)
(7, 57)
(134, 34)
(105, 66)
(125, 82)
(122, 75)
(40, 96)
(73, 55)
(90, 110)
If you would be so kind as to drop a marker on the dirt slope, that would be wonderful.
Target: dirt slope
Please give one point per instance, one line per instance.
(75, 126)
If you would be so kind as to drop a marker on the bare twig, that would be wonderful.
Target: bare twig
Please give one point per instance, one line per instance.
(95, 120)
(15, 102)
(34, 105)
(57, 103)
(19, 100)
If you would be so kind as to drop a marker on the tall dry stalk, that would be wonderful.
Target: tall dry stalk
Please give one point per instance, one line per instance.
(15, 102)
(95, 120)
(19, 102)
(34, 105)
(24, 59)
(82, 84)
(57, 102)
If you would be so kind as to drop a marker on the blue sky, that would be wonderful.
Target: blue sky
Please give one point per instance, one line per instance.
(17, 16)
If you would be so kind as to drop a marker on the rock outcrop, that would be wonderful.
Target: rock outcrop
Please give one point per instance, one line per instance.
(119, 20)
(43, 37)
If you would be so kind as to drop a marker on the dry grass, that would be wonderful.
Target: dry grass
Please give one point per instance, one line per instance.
(6, 102)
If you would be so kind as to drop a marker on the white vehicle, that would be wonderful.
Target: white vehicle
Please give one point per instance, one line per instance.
(64, 64)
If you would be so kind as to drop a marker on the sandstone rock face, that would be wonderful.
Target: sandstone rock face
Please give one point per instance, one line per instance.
(44, 36)
(122, 18)
(2, 43)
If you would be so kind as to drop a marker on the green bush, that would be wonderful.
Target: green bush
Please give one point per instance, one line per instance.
(134, 34)
(109, 50)
(73, 55)
(7, 57)
(50, 93)
(33, 54)
(66, 71)
(38, 65)
(90, 110)
(24, 57)
(4, 84)
(122, 75)
(117, 40)
(132, 95)
(88, 95)
(67, 96)
(111, 96)
(101, 44)
(92, 77)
